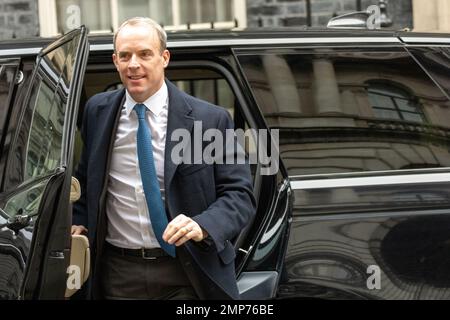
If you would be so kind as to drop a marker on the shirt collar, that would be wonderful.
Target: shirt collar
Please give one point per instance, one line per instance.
(156, 103)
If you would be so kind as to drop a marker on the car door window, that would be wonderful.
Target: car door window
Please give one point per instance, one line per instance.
(353, 122)
(8, 70)
(435, 61)
(38, 143)
(43, 152)
(36, 166)
(351, 111)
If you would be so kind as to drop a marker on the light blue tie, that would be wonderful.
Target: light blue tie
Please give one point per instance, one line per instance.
(150, 180)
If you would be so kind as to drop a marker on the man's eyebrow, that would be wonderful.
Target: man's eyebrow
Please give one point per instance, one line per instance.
(121, 53)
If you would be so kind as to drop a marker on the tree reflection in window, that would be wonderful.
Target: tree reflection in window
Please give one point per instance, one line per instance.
(390, 101)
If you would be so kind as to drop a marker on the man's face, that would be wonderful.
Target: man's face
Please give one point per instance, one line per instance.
(139, 60)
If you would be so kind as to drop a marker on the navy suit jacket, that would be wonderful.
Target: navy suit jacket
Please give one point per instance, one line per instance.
(219, 197)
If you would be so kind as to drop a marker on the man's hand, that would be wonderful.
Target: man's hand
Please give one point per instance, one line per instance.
(77, 230)
(182, 229)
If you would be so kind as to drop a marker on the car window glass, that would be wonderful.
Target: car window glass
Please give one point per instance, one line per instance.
(7, 77)
(436, 61)
(25, 202)
(351, 111)
(216, 91)
(38, 147)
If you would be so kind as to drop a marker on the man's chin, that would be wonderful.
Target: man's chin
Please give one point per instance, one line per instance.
(136, 94)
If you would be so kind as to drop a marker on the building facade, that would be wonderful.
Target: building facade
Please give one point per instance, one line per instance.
(47, 18)
(431, 15)
(18, 19)
(268, 13)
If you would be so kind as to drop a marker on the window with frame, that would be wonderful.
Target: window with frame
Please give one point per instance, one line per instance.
(7, 78)
(37, 150)
(105, 16)
(350, 111)
(390, 101)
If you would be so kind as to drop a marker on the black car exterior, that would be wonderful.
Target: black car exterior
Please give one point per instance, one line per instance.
(359, 206)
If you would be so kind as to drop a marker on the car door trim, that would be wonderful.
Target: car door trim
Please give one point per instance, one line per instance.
(371, 181)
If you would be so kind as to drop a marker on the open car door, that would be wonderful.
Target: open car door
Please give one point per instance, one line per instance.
(35, 215)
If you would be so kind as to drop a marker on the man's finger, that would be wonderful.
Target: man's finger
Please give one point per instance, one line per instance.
(185, 238)
(178, 222)
(182, 232)
(78, 230)
(171, 230)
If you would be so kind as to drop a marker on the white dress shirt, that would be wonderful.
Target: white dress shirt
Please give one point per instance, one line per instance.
(129, 224)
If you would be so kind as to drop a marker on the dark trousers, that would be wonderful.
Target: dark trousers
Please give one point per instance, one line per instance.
(129, 277)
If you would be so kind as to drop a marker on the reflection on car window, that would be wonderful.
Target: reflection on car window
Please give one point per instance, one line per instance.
(38, 149)
(351, 111)
(26, 202)
(7, 74)
(44, 144)
(391, 102)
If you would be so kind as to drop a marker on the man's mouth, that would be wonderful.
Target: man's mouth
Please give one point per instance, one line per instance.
(135, 77)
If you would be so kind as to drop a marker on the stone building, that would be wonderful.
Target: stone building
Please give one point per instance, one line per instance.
(431, 15)
(268, 13)
(18, 19)
(31, 18)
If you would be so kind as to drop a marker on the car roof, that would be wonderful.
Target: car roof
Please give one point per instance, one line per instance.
(247, 37)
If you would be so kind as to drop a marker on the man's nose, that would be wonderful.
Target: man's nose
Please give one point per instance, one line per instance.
(134, 63)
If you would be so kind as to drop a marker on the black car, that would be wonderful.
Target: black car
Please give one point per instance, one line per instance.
(359, 206)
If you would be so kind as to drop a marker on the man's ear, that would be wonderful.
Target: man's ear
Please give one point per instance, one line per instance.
(166, 57)
(114, 58)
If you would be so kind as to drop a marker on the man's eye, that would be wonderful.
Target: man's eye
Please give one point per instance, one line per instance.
(146, 54)
(124, 56)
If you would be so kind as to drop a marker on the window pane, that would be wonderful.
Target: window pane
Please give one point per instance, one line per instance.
(198, 11)
(7, 74)
(26, 202)
(377, 100)
(389, 101)
(337, 112)
(437, 62)
(38, 149)
(406, 105)
(95, 14)
(386, 113)
(158, 10)
(128, 9)
(408, 116)
(204, 84)
(226, 97)
(44, 145)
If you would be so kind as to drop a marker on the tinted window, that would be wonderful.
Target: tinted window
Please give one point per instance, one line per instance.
(7, 77)
(436, 61)
(390, 101)
(38, 147)
(351, 111)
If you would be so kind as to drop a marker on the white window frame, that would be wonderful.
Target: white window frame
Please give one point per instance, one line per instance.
(49, 27)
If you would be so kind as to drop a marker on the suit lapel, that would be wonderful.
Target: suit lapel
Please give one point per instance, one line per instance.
(178, 117)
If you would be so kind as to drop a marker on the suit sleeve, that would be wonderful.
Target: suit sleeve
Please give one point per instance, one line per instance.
(235, 204)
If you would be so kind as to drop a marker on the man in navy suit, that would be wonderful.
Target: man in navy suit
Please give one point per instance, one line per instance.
(205, 205)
